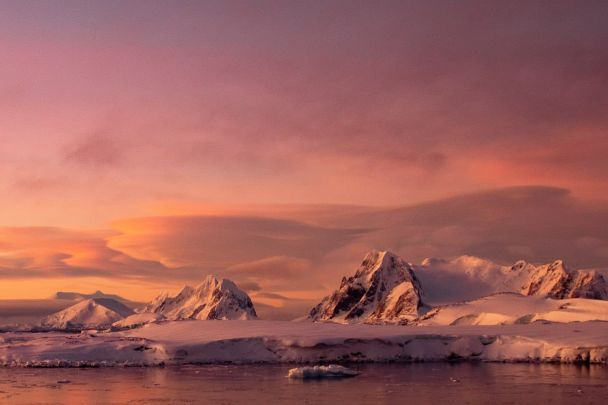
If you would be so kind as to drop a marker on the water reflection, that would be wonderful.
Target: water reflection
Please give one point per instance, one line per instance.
(384, 384)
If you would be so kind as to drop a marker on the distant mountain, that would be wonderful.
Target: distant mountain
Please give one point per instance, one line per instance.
(212, 299)
(72, 295)
(92, 313)
(557, 281)
(468, 277)
(383, 289)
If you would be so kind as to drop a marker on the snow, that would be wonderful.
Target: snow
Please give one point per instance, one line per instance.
(469, 277)
(194, 341)
(212, 299)
(316, 372)
(137, 320)
(387, 289)
(465, 278)
(209, 323)
(234, 341)
(510, 308)
(91, 313)
(383, 289)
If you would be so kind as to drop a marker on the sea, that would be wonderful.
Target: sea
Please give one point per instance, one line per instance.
(413, 383)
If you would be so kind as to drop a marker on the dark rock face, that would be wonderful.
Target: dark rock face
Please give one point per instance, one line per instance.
(588, 284)
(384, 289)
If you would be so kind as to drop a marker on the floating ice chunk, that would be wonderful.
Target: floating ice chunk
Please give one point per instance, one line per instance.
(331, 371)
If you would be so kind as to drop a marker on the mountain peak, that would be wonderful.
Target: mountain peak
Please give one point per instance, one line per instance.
(377, 260)
(383, 289)
(557, 280)
(90, 313)
(211, 299)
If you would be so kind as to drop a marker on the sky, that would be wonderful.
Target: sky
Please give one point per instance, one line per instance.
(145, 144)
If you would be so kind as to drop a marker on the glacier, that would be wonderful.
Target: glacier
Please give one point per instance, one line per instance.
(241, 342)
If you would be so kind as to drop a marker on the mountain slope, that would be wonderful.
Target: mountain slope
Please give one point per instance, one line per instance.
(384, 289)
(512, 308)
(555, 280)
(467, 278)
(92, 313)
(212, 299)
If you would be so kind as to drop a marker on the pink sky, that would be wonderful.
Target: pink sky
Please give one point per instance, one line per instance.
(113, 111)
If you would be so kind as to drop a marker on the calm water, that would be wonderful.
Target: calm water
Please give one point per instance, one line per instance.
(383, 384)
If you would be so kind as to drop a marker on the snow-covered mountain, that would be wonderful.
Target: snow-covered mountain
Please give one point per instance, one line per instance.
(387, 289)
(467, 277)
(212, 299)
(384, 289)
(77, 296)
(556, 280)
(92, 313)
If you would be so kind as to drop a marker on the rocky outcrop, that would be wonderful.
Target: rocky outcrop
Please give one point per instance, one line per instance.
(557, 281)
(383, 290)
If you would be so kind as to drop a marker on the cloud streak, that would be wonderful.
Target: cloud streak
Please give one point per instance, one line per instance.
(276, 258)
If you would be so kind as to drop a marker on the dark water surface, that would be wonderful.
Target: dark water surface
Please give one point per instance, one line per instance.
(439, 383)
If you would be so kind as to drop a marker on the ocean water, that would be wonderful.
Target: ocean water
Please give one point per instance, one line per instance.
(426, 383)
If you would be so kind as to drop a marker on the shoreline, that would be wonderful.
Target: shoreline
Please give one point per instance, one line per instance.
(276, 342)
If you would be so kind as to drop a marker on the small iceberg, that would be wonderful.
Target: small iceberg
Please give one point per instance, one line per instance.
(331, 371)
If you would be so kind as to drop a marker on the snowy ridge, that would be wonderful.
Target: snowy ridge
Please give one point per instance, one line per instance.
(512, 308)
(384, 289)
(468, 277)
(137, 320)
(387, 289)
(555, 280)
(288, 342)
(212, 299)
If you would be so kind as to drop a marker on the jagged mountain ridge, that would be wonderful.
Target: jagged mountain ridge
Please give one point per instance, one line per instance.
(212, 299)
(384, 289)
(468, 277)
(388, 289)
(556, 280)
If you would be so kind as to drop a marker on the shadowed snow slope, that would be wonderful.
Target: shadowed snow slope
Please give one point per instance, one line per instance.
(136, 320)
(92, 313)
(212, 299)
(384, 289)
(511, 308)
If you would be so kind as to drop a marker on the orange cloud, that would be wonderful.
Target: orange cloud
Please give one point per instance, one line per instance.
(287, 264)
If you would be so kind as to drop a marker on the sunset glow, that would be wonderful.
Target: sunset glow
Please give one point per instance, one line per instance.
(146, 146)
